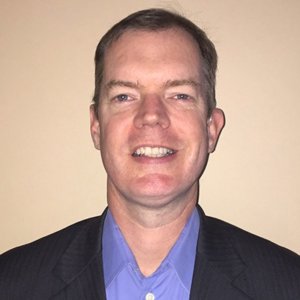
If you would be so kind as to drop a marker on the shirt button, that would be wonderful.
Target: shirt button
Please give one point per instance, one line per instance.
(150, 296)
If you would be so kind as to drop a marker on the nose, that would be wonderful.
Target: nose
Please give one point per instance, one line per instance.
(152, 112)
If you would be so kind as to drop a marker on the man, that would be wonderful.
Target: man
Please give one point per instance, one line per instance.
(154, 120)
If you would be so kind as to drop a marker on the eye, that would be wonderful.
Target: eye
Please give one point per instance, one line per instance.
(182, 97)
(122, 97)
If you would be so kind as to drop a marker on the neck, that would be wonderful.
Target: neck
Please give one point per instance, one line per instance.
(151, 233)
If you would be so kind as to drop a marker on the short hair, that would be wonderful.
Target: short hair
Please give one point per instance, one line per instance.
(156, 20)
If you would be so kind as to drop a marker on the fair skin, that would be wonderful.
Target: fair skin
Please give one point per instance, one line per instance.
(154, 135)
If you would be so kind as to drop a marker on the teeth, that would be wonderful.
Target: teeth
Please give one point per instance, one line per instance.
(153, 151)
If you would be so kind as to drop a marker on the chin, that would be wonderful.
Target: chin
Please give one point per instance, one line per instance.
(156, 184)
(155, 193)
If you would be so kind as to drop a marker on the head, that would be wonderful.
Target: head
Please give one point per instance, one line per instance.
(154, 118)
(157, 20)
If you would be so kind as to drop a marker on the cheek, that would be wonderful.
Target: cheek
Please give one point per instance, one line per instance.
(195, 128)
(198, 140)
(113, 135)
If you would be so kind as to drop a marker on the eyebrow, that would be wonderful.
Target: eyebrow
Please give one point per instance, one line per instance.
(182, 82)
(168, 84)
(115, 83)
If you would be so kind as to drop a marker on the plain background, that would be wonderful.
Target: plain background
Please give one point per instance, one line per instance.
(50, 174)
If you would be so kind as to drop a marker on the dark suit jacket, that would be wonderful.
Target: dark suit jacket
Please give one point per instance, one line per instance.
(231, 264)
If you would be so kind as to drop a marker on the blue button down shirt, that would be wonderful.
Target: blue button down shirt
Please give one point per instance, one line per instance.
(173, 278)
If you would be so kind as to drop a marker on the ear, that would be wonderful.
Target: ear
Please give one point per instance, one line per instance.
(95, 127)
(215, 124)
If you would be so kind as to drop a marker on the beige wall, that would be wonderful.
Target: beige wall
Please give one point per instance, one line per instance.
(50, 175)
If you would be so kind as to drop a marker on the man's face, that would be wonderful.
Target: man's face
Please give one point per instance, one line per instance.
(152, 128)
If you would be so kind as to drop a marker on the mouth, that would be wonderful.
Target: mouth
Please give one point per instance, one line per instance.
(153, 152)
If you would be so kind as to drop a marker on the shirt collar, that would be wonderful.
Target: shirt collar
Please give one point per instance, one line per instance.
(113, 245)
(182, 255)
(116, 253)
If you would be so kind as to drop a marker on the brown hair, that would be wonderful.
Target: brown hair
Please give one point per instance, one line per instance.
(155, 20)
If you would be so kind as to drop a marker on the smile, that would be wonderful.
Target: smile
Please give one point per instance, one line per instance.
(155, 152)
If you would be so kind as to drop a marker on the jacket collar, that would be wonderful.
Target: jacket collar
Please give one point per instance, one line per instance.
(219, 269)
(82, 260)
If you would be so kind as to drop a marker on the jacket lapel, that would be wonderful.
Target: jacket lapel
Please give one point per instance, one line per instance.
(219, 270)
(80, 267)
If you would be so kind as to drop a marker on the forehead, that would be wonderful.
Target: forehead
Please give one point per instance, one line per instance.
(145, 34)
(153, 50)
(153, 39)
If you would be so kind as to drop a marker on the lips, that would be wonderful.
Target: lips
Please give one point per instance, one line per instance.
(153, 152)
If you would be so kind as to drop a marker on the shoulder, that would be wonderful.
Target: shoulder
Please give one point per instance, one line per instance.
(268, 266)
(249, 243)
(23, 266)
(54, 242)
